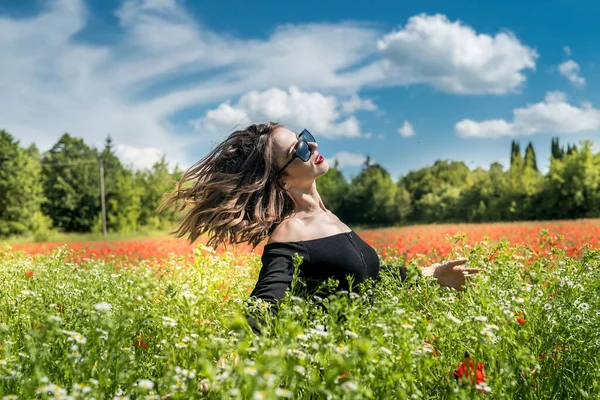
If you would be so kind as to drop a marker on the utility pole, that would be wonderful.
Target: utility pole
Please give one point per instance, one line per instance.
(102, 196)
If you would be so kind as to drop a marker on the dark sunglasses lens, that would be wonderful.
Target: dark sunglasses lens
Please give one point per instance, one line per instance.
(303, 151)
(306, 135)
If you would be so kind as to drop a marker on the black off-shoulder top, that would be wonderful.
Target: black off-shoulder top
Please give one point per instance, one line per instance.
(333, 256)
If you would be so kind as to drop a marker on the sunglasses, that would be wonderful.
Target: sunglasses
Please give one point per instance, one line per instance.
(303, 151)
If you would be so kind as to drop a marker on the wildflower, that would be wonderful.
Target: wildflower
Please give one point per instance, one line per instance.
(259, 395)
(29, 274)
(520, 318)
(349, 385)
(489, 330)
(11, 397)
(483, 387)
(300, 369)
(429, 348)
(145, 384)
(103, 306)
(140, 343)
(75, 337)
(82, 387)
(481, 318)
(55, 318)
(188, 295)
(297, 299)
(181, 345)
(467, 369)
(169, 322)
(341, 349)
(203, 385)
(288, 394)
(179, 386)
(454, 319)
(518, 300)
(350, 334)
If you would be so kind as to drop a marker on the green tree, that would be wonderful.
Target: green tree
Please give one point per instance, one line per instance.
(371, 198)
(333, 189)
(155, 183)
(21, 192)
(555, 150)
(515, 153)
(530, 159)
(125, 203)
(71, 182)
(572, 185)
(442, 184)
(403, 204)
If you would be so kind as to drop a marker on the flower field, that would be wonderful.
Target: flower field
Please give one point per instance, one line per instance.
(151, 319)
(410, 242)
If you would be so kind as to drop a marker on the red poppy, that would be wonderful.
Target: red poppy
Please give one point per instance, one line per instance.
(520, 318)
(29, 274)
(60, 308)
(140, 343)
(466, 369)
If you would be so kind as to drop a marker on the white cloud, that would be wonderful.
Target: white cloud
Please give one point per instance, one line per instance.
(553, 115)
(453, 58)
(406, 129)
(294, 108)
(355, 103)
(52, 82)
(556, 97)
(346, 159)
(139, 157)
(567, 51)
(570, 70)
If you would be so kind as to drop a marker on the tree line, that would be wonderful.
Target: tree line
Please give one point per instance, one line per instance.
(59, 190)
(448, 191)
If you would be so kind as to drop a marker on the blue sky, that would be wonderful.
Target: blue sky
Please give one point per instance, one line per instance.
(406, 84)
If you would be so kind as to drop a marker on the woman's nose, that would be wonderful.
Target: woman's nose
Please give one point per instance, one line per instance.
(313, 146)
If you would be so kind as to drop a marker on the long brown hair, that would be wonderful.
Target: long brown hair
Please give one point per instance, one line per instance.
(236, 196)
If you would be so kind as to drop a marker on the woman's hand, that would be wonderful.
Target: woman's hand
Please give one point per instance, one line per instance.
(450, 274)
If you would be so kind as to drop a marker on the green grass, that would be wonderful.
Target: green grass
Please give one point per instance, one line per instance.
(75, 330)
(87, 237)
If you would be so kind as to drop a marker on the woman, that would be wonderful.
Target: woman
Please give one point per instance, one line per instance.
(259, 183)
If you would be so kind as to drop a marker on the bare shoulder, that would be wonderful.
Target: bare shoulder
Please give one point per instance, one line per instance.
(289, 230)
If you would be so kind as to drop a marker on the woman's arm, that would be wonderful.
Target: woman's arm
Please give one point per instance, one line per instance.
(274, 279)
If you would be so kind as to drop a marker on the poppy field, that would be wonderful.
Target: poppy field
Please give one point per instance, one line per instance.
(160, 318)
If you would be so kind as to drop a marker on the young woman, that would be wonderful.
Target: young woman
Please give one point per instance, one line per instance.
(260, 183)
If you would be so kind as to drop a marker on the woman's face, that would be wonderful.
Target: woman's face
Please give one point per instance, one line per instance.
(285, 143)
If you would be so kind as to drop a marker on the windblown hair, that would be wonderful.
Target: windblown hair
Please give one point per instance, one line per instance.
(236, 196)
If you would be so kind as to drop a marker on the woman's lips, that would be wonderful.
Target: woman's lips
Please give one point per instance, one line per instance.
(319, 159)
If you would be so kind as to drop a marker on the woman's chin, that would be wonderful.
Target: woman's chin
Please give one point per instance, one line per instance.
(322, 168)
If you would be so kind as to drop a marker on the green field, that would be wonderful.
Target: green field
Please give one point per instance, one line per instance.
(95, 331)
